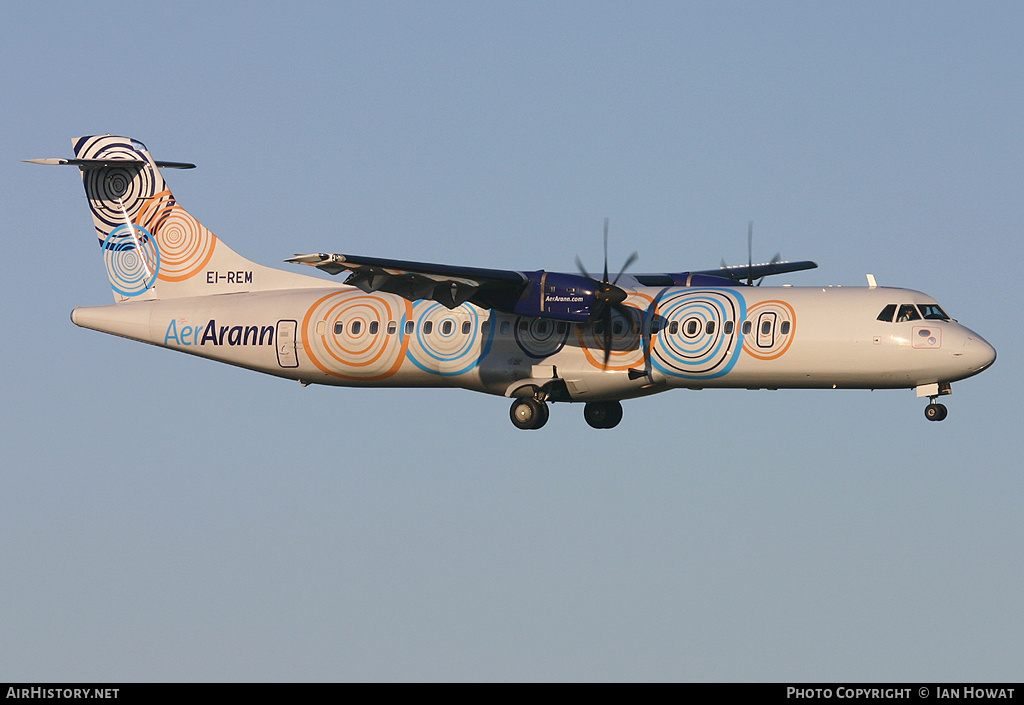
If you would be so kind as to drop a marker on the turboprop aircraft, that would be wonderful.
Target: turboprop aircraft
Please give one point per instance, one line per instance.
(534, 336)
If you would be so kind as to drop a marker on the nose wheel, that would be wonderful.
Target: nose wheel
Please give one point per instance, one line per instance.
(935, 412)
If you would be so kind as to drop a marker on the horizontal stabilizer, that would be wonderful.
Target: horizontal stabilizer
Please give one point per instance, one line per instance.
(104, 163)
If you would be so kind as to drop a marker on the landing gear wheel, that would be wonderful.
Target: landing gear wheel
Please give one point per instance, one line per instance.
(603, 414)
(528, 413)
(935, 412)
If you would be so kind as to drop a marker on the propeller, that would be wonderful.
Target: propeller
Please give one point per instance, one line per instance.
(608, 297)
(750, 258)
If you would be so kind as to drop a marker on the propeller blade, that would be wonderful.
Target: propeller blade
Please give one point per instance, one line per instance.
(629, 261)
(607, 336)
(776, 258)
(608, 299)
(648, 339)
(750, 253)
(583, 270)
(605, 277)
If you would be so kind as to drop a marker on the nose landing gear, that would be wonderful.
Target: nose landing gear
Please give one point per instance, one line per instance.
(935, 412)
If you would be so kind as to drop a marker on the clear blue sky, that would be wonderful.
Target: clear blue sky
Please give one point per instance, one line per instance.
(164, 517)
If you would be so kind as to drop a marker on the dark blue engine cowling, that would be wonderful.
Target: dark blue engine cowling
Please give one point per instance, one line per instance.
(562, 297)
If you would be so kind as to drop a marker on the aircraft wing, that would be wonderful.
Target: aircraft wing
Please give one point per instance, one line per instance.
(741, 272)
(447, 284)
(556, 295)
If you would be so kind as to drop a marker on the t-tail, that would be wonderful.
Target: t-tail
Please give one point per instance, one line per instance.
(152, 247)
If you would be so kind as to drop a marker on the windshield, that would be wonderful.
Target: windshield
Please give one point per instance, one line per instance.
(933, 312)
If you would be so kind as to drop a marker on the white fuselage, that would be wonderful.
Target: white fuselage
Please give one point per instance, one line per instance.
(746, 337)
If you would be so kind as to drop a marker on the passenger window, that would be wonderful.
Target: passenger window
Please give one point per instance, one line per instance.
(673, 327)
(392, 327)
(887, 313)
(428, 327)
(746, 327)
(561, 327)
(785, 328)
(504, 327)
(374, 327)
(339, 328)
(356, 327)
(728, 327)
(908, 312)
(466, 327)
(766, 327)
(486, 327)
(410, 326)
(617, 328)
(710, 328)
(543, 327)
(691, 328)
(446, 328)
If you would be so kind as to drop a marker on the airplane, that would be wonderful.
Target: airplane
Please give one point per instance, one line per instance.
(536, 337)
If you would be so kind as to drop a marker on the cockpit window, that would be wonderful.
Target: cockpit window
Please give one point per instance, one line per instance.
(933, 312)
(887, 313)
(908, 312)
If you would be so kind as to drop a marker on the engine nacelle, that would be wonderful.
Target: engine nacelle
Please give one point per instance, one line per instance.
(559, 296)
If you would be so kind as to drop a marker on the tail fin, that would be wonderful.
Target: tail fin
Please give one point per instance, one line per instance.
(152, 247)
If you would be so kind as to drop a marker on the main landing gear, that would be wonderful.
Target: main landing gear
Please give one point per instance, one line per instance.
(528, 413)
(603, 414)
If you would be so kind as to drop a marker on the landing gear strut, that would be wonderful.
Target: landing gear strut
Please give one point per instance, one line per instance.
(528, 413)
(603, 414)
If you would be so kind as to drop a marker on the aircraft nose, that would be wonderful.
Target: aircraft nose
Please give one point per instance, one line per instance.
(978, 353)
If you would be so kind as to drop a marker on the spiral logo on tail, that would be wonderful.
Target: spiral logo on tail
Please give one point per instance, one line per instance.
(357, 336)
(186, 246)
(693, 341)
(131, 259)
(109, 187)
